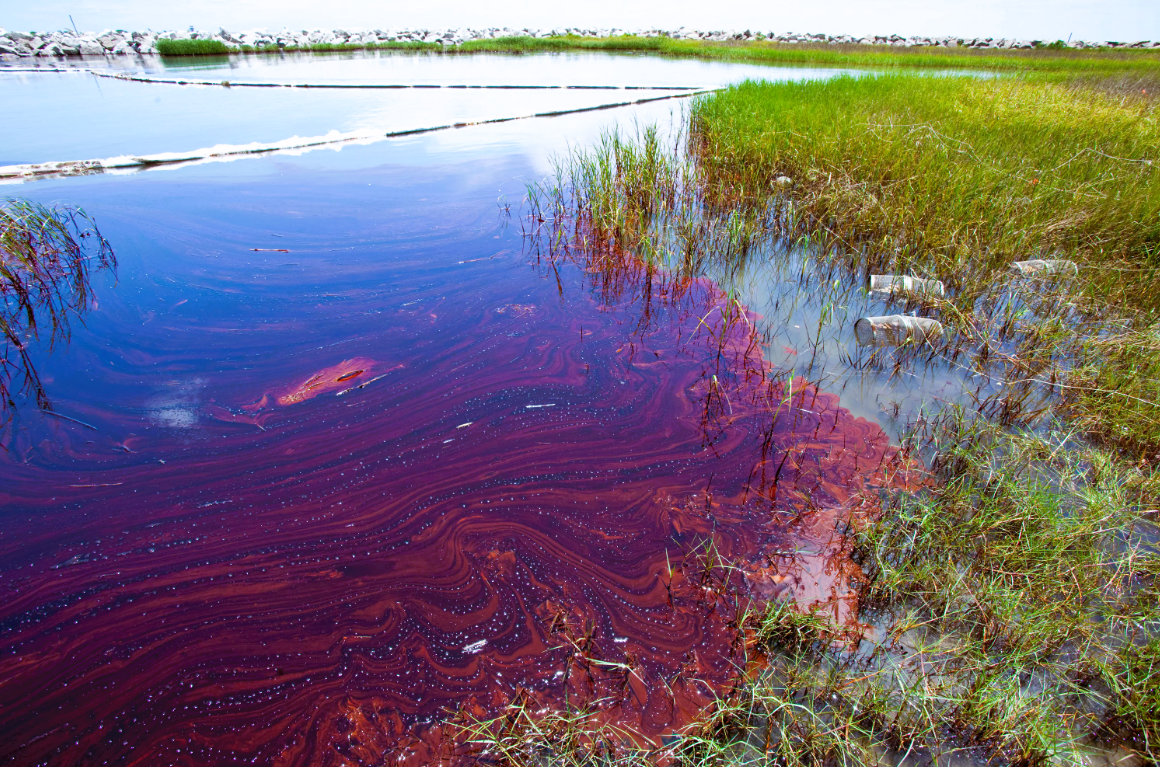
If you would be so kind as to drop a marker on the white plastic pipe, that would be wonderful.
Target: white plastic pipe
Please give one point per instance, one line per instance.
(898, 284)
(1038, 267)
(895, 330)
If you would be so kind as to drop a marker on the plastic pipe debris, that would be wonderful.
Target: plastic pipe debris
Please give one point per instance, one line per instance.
(1038, 267)
(895, 330)
(897, 284)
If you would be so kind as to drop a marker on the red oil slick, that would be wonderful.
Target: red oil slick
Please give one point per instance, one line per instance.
(327, 380)
(519, 507)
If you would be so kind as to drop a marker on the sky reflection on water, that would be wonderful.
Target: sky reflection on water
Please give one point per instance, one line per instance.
(80, 117)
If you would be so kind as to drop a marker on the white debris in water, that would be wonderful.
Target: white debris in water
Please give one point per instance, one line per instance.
(464, 425)
(549, 404)
(125, 163)
(475, 647)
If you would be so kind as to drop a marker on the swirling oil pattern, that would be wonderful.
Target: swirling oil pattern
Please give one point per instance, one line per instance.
(299, 508)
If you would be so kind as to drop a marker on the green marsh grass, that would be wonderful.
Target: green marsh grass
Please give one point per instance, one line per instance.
(191, 47)
(954, 178)
(398, 45)
(1069, 61)
(1009, 610)
(824, 54)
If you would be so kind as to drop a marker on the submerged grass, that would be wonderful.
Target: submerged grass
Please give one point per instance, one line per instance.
(1028, 560)
(1010, 612)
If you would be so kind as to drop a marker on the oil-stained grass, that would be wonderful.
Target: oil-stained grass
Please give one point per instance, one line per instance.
(998, 630)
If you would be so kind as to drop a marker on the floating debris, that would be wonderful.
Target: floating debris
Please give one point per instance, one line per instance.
(327, 380)
(897, 284)
(1038, 267)
(366, 383)
(54, 414)
(895, 330)
(517, 310)
(475, 647)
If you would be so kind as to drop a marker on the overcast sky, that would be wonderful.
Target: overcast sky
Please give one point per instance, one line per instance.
(1120, 20)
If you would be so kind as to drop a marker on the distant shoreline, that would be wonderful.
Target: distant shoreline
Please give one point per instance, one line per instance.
(128, 43)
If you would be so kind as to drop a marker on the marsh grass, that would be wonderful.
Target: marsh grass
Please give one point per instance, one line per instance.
(955, 178)
(1025, 560)
(824, 54)
(217, 47)
(951, 175)
(1076, 62)
(47, 259)
(1010, 610)
(191, 47)
(398, 45)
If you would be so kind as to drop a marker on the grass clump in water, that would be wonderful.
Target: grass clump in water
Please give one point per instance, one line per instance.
(47, 258)
(192, 47)
(1027, 560)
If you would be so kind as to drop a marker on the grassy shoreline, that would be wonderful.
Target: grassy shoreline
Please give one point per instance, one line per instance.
(954, 179)
(1011, 612)
(757, 52)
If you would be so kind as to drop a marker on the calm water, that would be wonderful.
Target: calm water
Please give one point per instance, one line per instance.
(79, 116)
(315, 496)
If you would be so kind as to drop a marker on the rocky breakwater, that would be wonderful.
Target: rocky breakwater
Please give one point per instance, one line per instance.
(108, 42)
(121, 42)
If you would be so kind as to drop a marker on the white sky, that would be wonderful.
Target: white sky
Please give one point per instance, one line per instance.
(1120, 20)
